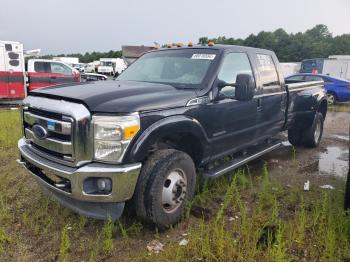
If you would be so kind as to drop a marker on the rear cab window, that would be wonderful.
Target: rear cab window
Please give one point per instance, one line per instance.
(267, 70)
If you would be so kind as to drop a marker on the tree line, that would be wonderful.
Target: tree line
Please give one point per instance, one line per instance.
(88, 57)
(316, 42)
(313, 43)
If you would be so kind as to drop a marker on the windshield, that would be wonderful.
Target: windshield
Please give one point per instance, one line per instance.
(104, 63)
(180, 68)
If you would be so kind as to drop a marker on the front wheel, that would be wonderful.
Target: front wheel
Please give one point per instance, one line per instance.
(167, 180)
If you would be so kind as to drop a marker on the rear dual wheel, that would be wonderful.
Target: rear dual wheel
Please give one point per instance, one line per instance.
(331, 99)
(308, 136)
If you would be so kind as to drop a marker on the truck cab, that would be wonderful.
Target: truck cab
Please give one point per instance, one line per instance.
(44, 73)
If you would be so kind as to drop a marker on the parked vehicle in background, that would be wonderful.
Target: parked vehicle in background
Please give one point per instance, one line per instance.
(79, 66)
(338, 89)
(44, 73)
(93, 77)
(90, 68)
(12, 71)
(67, 59)
(174, 111)
(336, 67)
(111, 66)
(290, 68)
(18, 78)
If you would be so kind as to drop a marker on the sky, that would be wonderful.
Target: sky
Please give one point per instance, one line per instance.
(78, 26)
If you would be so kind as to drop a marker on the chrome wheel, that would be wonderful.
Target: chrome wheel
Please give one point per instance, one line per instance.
(174, 190)
(330, 99)
(317, 132)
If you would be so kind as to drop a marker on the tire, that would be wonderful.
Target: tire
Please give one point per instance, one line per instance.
(166, 176)
(331, 99)
(295, 136)
(313, 134)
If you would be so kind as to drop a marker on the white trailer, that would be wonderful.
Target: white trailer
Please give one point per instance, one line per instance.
(337, 66)
(67, 60)
(290, 68)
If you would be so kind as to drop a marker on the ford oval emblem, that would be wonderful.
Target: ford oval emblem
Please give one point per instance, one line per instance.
(39, 132)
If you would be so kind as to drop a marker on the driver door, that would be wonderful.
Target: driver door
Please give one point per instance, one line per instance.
(232, 122)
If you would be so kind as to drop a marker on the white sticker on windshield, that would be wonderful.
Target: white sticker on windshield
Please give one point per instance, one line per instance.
(203, 56)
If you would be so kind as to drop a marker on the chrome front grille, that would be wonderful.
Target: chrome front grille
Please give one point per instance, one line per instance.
(67, 137)
(59, 138)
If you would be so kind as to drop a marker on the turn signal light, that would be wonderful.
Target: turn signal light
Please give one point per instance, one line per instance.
(130, 132)
(190, 44)
(210, 43)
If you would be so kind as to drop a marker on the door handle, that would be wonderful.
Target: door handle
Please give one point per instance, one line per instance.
(259, 104)
(53, 77)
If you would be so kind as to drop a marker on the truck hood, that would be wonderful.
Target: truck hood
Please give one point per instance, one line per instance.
(120, 96)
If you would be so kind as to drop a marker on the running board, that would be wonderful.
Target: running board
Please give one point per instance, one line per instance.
(256, 152)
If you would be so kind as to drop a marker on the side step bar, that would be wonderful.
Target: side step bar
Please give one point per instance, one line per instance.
(254, 153)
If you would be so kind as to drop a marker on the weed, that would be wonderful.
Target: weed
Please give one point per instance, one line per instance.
(4, 239)
(107, 232)
(65, 244)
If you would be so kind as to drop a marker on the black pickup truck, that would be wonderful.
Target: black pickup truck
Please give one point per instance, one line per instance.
(145, 137)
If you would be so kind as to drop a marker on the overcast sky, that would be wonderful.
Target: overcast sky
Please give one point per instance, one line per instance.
(68, 26)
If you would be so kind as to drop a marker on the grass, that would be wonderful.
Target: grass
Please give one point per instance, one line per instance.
(339, 108)
(10, 128)
(255, 216)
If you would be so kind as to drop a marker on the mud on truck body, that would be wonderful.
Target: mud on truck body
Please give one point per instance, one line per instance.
(143, 138)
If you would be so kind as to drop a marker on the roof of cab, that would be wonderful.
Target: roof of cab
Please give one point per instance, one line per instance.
(219, 47)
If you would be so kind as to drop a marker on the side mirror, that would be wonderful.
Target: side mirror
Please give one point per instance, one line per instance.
(245, 87)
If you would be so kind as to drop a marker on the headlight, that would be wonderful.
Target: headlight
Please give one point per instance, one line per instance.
(112, 135)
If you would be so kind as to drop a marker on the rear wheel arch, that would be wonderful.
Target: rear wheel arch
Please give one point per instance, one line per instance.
(322, 108)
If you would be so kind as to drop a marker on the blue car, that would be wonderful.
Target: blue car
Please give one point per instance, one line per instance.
(338, 89)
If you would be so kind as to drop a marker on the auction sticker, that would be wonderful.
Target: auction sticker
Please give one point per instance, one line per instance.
(203, 56)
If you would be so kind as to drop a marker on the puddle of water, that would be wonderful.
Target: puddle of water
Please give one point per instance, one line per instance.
(333, 162)
(339, 137)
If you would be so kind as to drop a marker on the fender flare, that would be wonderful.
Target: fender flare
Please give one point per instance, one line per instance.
(139, 149)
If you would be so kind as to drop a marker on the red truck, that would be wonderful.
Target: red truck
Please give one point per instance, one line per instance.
(18, 77)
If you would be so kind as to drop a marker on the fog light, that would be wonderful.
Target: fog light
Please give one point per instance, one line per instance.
(104, 184)
(97, 186)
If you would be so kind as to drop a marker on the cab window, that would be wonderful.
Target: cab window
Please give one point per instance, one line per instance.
(58, 68)
(42, 67)
(267, 71)
(295, 78)
(233, 65)
(313, 78)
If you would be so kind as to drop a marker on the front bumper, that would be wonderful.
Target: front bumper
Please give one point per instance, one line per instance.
(100, 206)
